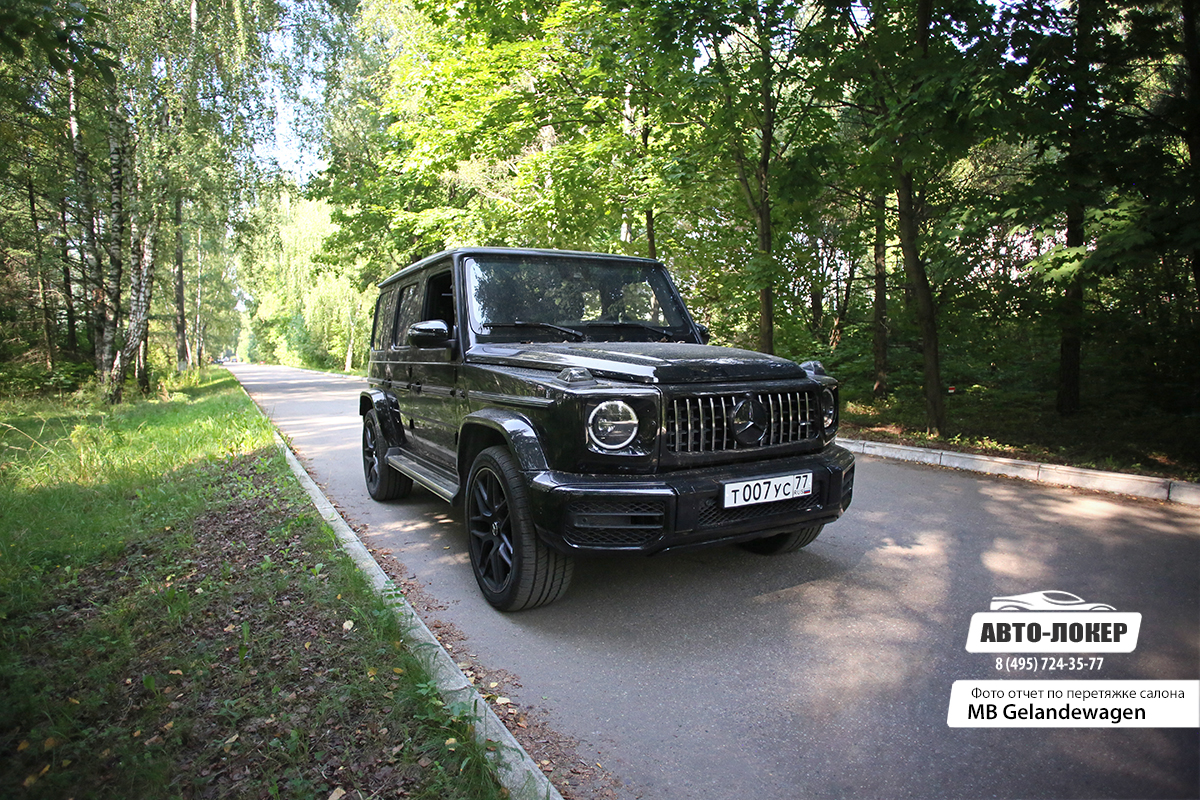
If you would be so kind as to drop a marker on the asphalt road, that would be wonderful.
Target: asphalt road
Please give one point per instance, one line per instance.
(821, 674)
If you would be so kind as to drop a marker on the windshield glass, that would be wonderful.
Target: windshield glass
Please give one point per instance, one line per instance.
(545, 298)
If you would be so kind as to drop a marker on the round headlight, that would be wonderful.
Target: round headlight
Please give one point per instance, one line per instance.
(612, 425)
(828, 408)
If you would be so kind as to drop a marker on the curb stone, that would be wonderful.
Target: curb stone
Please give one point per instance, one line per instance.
(1163, 489)
(514, 767)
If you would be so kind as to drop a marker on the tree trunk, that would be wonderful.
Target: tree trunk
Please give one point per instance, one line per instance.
(89, 241)
(1079, 167)
(908, 227)
(756, 186)
(118, 221)
(766, 150)
(141, 286)
(842, 311)
(182, 356)
(68, 295)
(38, 265)
(651, 245)
(914, 270)
(198, 351)
(816, 303)
(143, 366)
(1070, 348)
(766, 320)
(880, 305)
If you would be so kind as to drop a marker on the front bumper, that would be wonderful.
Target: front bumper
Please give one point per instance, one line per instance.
(683, 509)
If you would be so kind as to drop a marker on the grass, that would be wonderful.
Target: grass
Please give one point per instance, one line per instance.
(175, 620)
(1119, 435)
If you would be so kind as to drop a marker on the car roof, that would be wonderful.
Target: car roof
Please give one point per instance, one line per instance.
(507, 251)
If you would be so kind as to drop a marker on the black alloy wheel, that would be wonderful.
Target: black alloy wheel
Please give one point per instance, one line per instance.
(513, 568)
(383, 482)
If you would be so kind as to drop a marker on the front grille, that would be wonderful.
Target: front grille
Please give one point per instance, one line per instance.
(614, 523)
(712, 515)
(701, 424)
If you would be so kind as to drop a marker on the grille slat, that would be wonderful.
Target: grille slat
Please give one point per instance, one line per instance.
(700, 423)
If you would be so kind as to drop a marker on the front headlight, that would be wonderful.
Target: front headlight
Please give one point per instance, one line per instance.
(612, 425)
(828, 409)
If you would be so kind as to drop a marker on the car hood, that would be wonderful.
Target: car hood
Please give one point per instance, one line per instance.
(642, 362)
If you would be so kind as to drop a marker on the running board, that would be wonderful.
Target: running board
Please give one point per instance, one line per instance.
(437, 482)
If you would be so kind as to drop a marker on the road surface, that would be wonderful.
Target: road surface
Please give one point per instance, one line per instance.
(821, 674)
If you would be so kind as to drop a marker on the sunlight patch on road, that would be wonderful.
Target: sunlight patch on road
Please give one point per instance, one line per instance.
(861, 632)
(1020, 559)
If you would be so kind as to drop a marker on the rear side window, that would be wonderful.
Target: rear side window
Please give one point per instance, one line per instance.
(385, 314)
(406, 313)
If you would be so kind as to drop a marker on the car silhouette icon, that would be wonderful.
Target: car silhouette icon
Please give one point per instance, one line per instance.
(1046, 601)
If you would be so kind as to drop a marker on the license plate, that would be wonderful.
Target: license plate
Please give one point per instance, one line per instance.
(767, 490)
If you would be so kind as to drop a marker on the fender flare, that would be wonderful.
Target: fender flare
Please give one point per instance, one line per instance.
(481, 428)
(384, 411)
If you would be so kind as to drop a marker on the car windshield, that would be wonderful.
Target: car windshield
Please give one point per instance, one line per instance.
(547, 298)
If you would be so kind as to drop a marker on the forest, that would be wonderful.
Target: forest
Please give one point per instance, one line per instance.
(975, 213)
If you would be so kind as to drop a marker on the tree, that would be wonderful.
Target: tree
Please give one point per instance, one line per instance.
(1088, 114)
(922, 97)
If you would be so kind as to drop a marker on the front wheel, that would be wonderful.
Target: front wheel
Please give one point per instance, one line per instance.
(788, 542)
(513, 568)
(383, 482)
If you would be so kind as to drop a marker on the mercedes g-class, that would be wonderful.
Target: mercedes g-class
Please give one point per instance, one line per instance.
(572, 405)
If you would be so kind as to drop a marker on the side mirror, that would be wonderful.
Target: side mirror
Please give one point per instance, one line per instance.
(705, 334)
(430, 333)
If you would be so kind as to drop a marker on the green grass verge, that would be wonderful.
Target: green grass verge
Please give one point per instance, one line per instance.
(176, 621)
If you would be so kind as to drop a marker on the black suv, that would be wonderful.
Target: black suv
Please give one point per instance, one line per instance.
(569, 401)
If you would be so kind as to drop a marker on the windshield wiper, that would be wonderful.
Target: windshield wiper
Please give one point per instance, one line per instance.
(580, 336)
(630, 324)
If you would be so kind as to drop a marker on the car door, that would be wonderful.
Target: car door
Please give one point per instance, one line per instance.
(399, 367)
(436, 399)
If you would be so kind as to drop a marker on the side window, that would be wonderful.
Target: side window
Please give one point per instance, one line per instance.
(406, 313)
(439, 298)
(385, 308)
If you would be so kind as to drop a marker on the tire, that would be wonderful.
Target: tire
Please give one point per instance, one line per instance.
(781, 543)
(383, 482)
(513, 568)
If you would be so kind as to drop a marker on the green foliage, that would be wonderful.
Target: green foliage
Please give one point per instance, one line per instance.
(59, 32)
(745, 144)
(303, 310)
(17, 379)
